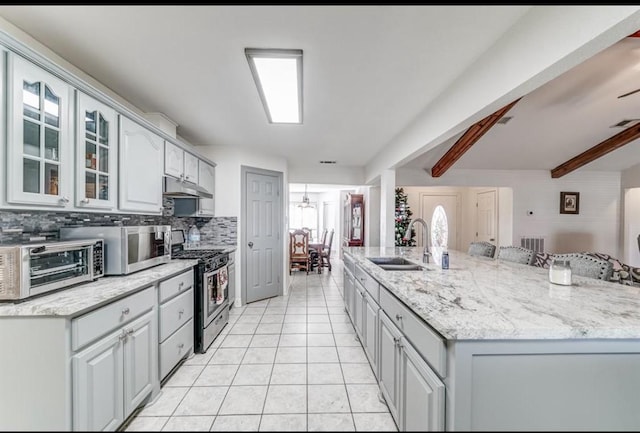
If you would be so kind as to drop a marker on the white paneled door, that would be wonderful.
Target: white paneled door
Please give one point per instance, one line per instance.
(263, 249)
(487, 217)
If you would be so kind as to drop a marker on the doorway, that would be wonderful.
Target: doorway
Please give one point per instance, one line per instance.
(451, 204)
(261, 234)
(486, 217)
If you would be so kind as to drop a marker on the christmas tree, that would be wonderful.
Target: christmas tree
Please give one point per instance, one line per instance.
(403, 217)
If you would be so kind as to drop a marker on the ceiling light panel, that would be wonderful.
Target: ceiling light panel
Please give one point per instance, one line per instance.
(278, 77)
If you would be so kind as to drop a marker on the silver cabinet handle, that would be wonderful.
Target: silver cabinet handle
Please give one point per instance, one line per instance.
(398, 317)
(130, 331)
(84, 201)
(64, 200)
(125, 311)
(180, 346)
(250, 244)
(396, 341)
(123, 335)
(181, 285)
(180, 312)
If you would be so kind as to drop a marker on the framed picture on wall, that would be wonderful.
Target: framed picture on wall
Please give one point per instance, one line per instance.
(570, 202)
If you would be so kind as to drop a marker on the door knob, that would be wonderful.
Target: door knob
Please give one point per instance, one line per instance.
(250, 244)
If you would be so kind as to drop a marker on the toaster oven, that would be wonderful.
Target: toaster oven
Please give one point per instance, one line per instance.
(33, 269)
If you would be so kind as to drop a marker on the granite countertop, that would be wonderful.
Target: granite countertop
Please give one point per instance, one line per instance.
(211, 246)
(77, 300)
(480, 298)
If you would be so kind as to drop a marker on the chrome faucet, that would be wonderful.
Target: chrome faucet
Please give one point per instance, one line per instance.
(425, 237)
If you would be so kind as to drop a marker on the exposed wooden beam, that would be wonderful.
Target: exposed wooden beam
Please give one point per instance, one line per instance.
(468, 139)
(601, 149)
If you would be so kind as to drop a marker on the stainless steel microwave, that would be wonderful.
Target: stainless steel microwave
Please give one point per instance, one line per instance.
(33, 269)
(128, 249)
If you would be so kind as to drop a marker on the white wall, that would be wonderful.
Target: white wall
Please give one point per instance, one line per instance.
(596, 228)
(327, 174)
(228, 196)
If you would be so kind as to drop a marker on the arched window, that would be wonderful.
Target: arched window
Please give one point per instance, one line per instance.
(439, 228)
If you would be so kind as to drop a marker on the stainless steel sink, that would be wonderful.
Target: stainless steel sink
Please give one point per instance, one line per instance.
(390, 261)
(395, 264)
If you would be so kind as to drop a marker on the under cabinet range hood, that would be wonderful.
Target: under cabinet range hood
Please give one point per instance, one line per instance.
(179, 189)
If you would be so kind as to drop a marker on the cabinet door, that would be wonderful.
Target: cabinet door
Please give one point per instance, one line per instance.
(349, 290)
(232, 284)
(206, 179)
(96, 154)
(140, 159)
(371, 331)
(190, 168)
(358, 310)
(173, 160)
(389, 363)
(97, 385)
(40, 152)
(140, 361)
(422, 393)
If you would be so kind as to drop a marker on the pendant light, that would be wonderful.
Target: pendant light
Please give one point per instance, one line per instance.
(305, 200)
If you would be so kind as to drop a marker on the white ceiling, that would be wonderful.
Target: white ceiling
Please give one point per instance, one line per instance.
(562, 119)
(318, 188)
(368, 70)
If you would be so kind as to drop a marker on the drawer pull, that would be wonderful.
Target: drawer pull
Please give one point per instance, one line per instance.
(181, 312)
(396, 341)
(123, 335)
(181, 346)
(181, 285)
(398, 317)
(130, 331)
(125, 311)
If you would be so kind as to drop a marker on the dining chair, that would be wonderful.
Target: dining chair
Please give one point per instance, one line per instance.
(482, 248)
(325, 254)
(587, 266)
(299, 251)
(516, 255)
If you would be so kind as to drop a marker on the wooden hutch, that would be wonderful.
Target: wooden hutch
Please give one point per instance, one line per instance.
(353, 221)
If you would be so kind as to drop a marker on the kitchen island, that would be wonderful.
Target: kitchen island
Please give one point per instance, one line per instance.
(492, 345)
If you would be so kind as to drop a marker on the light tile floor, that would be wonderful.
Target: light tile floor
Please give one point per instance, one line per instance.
(284, 364)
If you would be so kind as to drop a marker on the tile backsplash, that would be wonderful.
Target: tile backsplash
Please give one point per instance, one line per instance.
(26, 226)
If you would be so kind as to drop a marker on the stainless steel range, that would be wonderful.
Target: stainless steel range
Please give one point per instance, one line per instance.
(211, 290)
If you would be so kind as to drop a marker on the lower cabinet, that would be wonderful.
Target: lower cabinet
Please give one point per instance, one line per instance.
(358, 309)
(114, 375)
(349, 289)
(370, 331)
(414, 393)
(175, 330)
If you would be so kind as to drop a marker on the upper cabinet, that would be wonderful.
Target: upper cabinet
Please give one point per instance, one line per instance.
(39, 145)
(96, 154)
(206, 179)
(180, 164)
(173, 160)
(141, 158)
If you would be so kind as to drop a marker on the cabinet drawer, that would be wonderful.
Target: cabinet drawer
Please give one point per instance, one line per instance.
(348, 263)
(171, 287)
(174, 348)
(94, 324)
(430, 345)
(368, 283)
(175, 313)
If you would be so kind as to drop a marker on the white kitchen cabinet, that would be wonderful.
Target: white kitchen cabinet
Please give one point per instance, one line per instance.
(141, 162)
(175, 330)
(173, 160)
(349, 292)
(389, 363)
(358, 309)
(421, 392)
(114, 375)
(190, 168)
(97, 385)
(370, 331)
(180, 164)
(39, 136)
(206, 179)
(96, 154)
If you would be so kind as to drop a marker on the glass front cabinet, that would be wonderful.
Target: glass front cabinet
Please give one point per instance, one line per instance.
(96, 154)
(39, 149)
